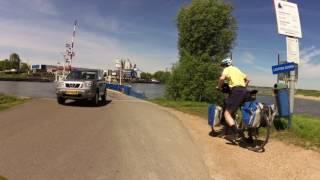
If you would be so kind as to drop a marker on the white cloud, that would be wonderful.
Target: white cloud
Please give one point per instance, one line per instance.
(308, 69)
(45, 42)
(28, 7)
(248, 58)
(307, 57)
(305, 51)
(42, 6)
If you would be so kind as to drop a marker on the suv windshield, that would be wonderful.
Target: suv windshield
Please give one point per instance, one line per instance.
(82, 75)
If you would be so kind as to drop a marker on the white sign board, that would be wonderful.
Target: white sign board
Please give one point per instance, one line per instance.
(288, 19)
(293, 54)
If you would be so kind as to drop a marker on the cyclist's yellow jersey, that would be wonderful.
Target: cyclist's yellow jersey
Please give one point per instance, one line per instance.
(234, 76)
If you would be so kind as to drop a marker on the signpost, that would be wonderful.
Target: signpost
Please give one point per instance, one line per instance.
(288, 19)
(118, 65)
(281, 68)
(293, 54)
(288, 23)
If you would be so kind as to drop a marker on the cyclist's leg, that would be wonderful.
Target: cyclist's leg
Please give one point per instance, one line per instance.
(233, 102)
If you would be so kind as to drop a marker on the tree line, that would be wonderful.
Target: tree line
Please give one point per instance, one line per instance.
(206, 34)
(161, 76)
(14, 62)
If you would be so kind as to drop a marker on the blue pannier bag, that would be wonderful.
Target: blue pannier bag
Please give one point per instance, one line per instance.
(251, 113)
(214, 115)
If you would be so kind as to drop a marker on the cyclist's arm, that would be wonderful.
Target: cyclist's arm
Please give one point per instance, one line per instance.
(247, 81)
(221, 81)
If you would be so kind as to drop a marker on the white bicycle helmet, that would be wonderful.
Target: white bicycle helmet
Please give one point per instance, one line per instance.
(226, 62)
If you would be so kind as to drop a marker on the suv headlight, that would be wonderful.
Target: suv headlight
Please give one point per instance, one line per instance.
(88, 83)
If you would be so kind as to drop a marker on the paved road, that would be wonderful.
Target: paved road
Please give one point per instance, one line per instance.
(124, 139)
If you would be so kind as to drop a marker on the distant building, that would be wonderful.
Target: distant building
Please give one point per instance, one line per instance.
(49, 68)
(39, 68)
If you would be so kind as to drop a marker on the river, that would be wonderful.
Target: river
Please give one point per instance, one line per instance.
(47, 90)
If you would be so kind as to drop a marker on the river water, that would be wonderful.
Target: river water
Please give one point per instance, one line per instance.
(47, 90)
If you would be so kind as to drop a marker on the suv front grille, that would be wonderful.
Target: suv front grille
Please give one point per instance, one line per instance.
(72, 85)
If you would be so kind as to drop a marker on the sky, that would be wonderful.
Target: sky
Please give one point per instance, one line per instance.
(145, 32)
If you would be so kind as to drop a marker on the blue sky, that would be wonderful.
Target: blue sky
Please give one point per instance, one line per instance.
(145, 32)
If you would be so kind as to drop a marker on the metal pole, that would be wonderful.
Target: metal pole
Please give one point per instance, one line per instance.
(292, 88)
(72, 42)
(278, 64)
(291, 94)
(120, 75)
(64, 70)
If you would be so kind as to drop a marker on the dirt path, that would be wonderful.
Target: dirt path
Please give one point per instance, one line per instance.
(124, 139)
(224, 161)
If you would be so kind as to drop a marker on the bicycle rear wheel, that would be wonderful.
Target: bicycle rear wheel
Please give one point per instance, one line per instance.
(260, 136)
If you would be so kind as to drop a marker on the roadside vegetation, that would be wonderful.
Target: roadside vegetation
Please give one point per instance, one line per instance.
(267, 91)
(206, 34)
(161, 76)
(13, 69)
(305, 92)
(305, 130)
(7, 101)
(194, 108)
(14, 64)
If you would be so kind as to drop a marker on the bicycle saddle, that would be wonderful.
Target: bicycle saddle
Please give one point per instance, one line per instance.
(251, 95)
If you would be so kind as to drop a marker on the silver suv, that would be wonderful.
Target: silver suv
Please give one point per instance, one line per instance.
(82, 85)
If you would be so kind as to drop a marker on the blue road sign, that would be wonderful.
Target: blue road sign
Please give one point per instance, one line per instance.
(281, 68)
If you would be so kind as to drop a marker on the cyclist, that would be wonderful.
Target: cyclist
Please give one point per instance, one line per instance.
(237, 82)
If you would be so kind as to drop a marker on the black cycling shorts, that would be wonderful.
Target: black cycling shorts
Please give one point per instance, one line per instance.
(236, 98)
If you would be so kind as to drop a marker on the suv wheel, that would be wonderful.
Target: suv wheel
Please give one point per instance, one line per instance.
(104, 96)
(61, 100)
(95, 100)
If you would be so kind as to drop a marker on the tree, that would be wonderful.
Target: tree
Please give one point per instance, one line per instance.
(206, 26)
(146, 76)
(5, 65)
(161, 76)
(15, 60)
(195, 79)
(206, 29)
(24, 67)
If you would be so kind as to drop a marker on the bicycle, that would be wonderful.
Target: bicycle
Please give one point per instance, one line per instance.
(256, 128)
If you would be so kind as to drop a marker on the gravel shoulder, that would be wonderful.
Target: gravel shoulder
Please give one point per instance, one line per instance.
(225, 161)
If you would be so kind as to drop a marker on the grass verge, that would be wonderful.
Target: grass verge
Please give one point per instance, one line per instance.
(195, 108)
(7, 101)
(305, 130)
(304, 92)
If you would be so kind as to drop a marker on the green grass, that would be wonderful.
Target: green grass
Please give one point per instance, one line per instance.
(267, 91)
(305, 130)
(7, 101)
(304, 92)
(19, 75)
(195, 108)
